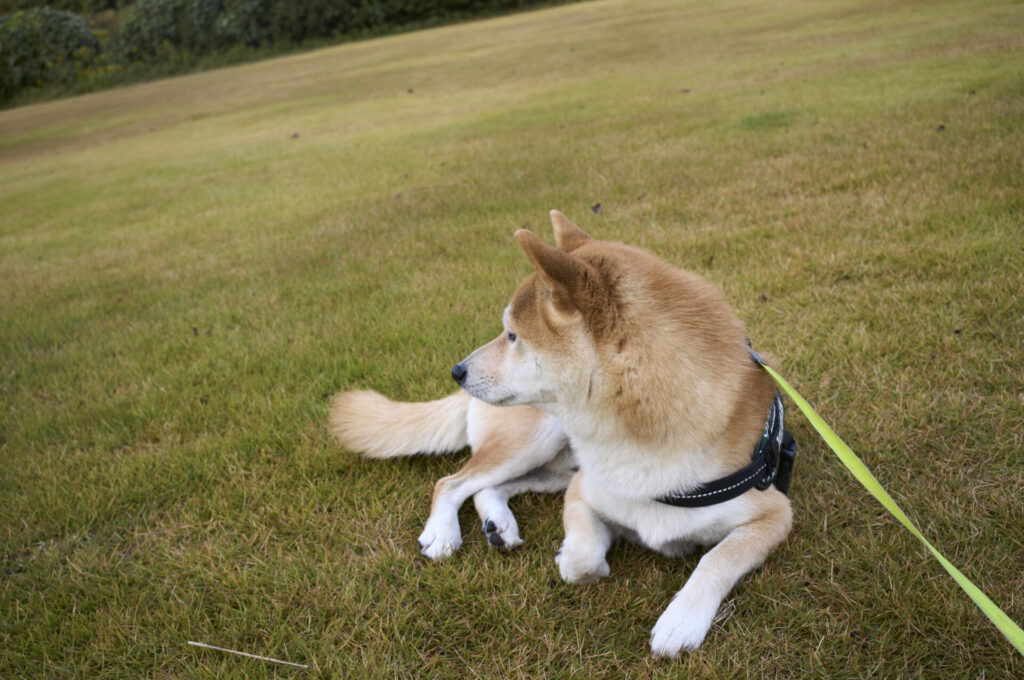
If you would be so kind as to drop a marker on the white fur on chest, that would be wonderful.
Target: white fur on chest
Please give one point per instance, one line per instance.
(631, 468)
(659, 525)
(622, 477)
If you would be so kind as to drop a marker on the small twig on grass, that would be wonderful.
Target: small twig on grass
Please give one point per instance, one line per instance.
(251, 656)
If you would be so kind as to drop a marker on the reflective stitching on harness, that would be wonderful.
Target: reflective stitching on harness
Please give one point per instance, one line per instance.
(681, 496)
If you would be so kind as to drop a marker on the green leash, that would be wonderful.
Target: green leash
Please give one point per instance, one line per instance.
(1003, 622)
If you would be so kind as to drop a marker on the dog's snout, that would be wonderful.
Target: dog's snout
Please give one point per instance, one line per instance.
(459, 372)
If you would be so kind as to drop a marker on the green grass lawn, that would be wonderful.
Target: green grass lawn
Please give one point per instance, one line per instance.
(190, 268)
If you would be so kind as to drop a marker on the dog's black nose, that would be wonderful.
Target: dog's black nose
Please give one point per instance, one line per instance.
(459, 373)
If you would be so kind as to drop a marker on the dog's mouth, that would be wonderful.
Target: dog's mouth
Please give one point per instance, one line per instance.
(486, 395)
(483, 394)
(543, 399)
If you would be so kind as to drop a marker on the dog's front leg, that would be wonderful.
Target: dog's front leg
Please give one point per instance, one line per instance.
(507, 451)
(442, 535)
(498, 522)
(687, 619)
(581, 559)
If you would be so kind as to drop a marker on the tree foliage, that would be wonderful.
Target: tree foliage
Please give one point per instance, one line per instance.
(41, 46)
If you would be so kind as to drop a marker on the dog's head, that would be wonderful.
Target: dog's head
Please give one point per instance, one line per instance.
(608, 332)
(547, 347)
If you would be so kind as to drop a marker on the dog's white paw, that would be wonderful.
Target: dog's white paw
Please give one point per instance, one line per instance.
(438, 541)
(503, 532)
(683, 625)
(499, 524)
(576, 566)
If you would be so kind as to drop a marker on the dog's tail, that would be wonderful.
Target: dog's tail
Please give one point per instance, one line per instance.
(377, 427)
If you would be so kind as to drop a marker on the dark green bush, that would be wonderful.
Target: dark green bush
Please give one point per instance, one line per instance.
(43, 46)
(161, 30)
(298, 21)
(201, 19)
(244, 22)
(76, 6)
(153, 30)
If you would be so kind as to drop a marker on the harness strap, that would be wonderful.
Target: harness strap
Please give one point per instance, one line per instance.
(772, 462)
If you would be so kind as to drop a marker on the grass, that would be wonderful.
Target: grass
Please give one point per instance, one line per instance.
(189, 268)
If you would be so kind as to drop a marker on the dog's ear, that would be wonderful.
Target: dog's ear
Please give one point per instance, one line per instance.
(568, 236)
(562, 273)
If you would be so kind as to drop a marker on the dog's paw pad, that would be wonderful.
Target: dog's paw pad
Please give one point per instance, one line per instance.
(502, 537)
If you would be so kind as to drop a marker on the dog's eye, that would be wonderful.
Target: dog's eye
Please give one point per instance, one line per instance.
(511, 336)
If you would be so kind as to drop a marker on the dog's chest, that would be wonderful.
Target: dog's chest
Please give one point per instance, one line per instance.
(622, 486)
(635, 472)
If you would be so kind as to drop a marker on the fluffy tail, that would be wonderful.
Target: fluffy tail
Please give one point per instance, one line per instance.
(377, 427)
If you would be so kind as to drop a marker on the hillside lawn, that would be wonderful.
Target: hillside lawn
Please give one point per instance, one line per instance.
(190, 268)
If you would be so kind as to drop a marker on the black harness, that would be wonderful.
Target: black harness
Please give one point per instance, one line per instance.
(772, 462)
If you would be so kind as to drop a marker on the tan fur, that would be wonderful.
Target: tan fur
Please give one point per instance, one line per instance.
(646, 368)
(568, 236)
(368, 422)
(675, 383)
(514, 449)
(510, 433)
(644, 387)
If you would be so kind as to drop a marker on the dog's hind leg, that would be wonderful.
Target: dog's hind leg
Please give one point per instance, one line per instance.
(507, 443)
(499, 524)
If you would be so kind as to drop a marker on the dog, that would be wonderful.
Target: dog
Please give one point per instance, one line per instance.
(626, 382)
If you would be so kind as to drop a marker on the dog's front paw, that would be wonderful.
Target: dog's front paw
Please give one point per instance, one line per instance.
(577, 566)
(438, 542)
(683, 625)
(503, 535)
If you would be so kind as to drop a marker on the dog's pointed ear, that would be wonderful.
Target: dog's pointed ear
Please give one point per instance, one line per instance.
(561, 272)
(568, 236)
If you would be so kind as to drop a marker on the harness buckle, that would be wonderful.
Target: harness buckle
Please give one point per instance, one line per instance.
(771, 459)
(787, 455)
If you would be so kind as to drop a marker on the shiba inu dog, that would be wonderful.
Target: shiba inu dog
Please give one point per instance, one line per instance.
(625, 381)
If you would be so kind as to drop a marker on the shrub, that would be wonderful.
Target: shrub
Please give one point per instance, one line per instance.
(298, 21)
(200, 20)
(160, 30)
(152, 31)
(43, 46)
(244, 22)
(76, 6)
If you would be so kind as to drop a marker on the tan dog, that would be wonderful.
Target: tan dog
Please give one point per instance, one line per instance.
(644, 370)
